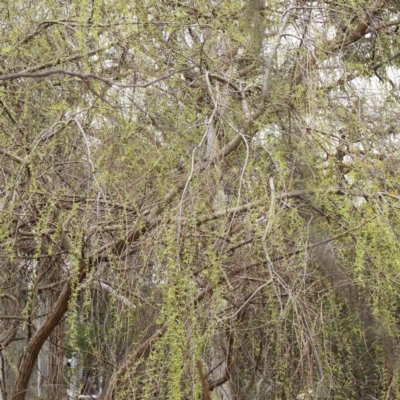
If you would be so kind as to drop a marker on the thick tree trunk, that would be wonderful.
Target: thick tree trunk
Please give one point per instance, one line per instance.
(50, 362)
(51, 366)
(37, 341)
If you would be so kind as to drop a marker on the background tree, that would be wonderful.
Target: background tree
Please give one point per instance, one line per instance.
(199, 199)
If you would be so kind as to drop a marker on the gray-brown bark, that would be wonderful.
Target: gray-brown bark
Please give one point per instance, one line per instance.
(35, 344)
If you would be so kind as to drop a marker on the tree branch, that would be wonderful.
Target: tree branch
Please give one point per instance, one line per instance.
(337, 44)
(110, 82)
(248, 206)
(118, 376)
(12, 156)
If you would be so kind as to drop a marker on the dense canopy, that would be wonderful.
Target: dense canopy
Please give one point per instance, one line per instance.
(199, 199)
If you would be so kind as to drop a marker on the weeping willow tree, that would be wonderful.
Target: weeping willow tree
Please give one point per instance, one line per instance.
(199, 199)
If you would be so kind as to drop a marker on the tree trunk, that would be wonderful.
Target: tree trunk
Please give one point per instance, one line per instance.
(37, 341)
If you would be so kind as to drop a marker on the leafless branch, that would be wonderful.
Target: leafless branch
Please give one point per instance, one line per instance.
(248, 206)
(110, 82)
(12, 156)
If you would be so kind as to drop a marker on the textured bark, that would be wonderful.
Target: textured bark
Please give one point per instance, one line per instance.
(37, 341)
(51, 363)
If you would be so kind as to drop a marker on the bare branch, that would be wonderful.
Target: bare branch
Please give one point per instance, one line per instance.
(12, 156)
(322, 242)
(110, 82)
(248, 206)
